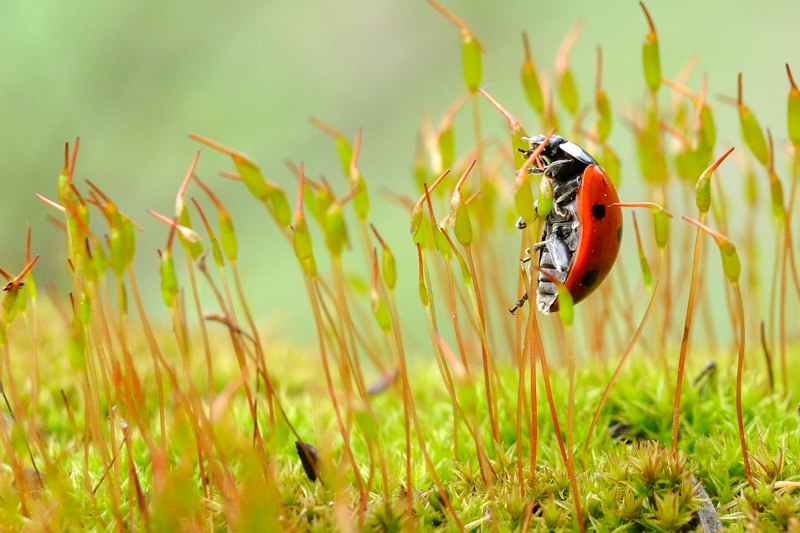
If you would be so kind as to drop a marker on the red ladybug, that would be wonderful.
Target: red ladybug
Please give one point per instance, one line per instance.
(583, 230)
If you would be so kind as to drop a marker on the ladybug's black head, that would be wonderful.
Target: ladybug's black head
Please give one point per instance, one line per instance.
(560, 149)
(550, 152)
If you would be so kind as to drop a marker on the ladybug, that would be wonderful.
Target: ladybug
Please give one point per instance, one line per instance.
(583, 231)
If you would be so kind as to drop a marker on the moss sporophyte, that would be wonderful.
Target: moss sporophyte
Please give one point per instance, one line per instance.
(653, 393)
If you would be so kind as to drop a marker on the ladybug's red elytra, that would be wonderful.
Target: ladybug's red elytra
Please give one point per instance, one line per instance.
(583, 230)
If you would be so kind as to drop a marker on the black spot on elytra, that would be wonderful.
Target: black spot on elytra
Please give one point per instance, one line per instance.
(589, 278)
(598, 211)
(619, 234)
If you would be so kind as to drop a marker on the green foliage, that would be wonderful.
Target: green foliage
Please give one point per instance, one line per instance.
(198, 424)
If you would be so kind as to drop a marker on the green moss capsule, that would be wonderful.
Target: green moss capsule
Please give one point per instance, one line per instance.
(473, 63)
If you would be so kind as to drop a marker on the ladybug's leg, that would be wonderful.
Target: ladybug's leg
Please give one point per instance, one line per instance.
(564, 169)
(526, 267)
(567, 191)
(520, 303)
(564, 194)
(525, 263)
(525, 153)
(563, 229)
(572, 237)
(520, 224)
(567, 211)
(557, 252)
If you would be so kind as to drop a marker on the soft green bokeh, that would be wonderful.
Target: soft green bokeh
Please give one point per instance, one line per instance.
(132, 79)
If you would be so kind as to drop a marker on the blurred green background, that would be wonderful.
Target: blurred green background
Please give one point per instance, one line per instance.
(132, 79)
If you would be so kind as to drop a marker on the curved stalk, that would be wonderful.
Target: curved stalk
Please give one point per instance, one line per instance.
(624, 358)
